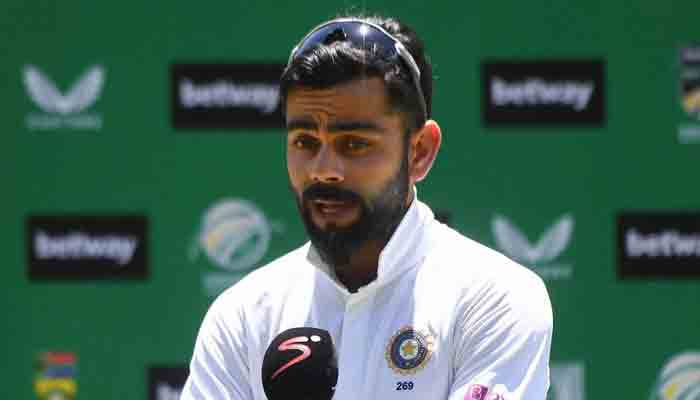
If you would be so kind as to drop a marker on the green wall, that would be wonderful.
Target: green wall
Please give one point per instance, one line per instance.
(620, 331)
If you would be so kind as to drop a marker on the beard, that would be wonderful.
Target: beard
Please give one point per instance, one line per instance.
(378, 218)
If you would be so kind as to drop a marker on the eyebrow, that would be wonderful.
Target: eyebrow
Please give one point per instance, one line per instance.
(336, 127)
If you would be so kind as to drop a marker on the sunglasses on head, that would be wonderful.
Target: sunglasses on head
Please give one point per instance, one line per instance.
(364, 35)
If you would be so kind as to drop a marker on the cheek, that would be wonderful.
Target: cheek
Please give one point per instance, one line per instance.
(295, 171)
(372, 175)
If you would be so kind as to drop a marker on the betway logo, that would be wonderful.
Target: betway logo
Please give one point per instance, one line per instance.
(223, 93)
(668, 243)
(81, 246)
(167, 392)
(662, 243)
(533, 91)
(691, 54)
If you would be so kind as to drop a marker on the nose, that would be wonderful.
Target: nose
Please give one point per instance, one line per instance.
(327, 166)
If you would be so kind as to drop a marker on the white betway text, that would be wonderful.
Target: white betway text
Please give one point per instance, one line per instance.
(80, 246)
(221, 93)
(691, 54)
(663, 244)
(167, 392)
(537, 91)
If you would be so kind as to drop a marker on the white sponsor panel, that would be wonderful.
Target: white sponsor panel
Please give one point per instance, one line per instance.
(542, 255)
(64, 110)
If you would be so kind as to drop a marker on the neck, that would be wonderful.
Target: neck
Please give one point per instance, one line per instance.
(364, 263)
(362, 268)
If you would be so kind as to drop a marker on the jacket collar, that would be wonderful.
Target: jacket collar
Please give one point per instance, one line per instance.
(404, 250)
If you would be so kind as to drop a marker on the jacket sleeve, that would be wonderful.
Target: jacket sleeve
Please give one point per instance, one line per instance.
(219, 369)
(503, 343)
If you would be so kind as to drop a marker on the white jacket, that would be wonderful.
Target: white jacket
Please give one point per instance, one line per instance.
(446, 318)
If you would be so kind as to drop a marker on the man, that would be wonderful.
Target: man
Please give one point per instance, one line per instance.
(416, 311)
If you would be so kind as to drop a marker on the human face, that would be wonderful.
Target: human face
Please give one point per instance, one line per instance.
(347, 165)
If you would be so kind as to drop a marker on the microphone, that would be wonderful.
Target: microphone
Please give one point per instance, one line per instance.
(300, 364)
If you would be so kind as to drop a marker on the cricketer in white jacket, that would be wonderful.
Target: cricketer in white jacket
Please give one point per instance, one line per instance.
(446, 318)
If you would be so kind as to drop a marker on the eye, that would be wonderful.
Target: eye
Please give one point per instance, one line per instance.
(304, 142)
(355, 145)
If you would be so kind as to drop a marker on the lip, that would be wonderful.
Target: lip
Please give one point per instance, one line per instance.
(331, 206)
(338, 211)
(330, 203)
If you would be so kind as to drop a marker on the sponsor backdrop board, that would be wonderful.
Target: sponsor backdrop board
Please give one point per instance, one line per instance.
(144, 173)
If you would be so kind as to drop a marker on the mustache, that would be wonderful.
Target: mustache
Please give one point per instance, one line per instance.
(320, 191)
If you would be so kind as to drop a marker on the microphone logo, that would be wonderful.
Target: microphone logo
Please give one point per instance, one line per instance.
(300, 363)
(295, 343)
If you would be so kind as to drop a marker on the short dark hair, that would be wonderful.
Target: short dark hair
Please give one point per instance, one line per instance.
(324, 66)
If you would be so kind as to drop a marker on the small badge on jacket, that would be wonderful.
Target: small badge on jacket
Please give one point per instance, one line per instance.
(409, 350)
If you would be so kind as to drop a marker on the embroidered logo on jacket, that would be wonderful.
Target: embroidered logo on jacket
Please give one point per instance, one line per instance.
(409, 350)
(481, 392)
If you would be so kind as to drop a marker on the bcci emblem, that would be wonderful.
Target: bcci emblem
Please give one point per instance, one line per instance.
(409, 351)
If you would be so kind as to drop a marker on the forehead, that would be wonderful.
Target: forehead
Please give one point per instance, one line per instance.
(359, 98)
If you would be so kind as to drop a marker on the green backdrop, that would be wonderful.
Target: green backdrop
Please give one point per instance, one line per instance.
(619, 331)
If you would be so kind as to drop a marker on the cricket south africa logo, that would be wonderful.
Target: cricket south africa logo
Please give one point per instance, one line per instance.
(542, 255)
(67, 109)
(679, 378)
(234, 235)
(689, 94)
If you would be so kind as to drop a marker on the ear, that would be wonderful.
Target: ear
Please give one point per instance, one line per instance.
(424, 147)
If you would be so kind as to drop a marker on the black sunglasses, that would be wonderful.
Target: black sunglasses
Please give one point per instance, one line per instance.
(364, 35)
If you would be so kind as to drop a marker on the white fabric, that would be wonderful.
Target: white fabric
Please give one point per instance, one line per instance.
(490, 320)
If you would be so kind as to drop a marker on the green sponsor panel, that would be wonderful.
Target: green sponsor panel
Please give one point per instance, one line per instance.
(86, 129)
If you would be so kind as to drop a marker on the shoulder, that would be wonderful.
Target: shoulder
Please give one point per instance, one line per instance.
(459, 255)
(241, 316)
(484, 280)
(271, 280)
